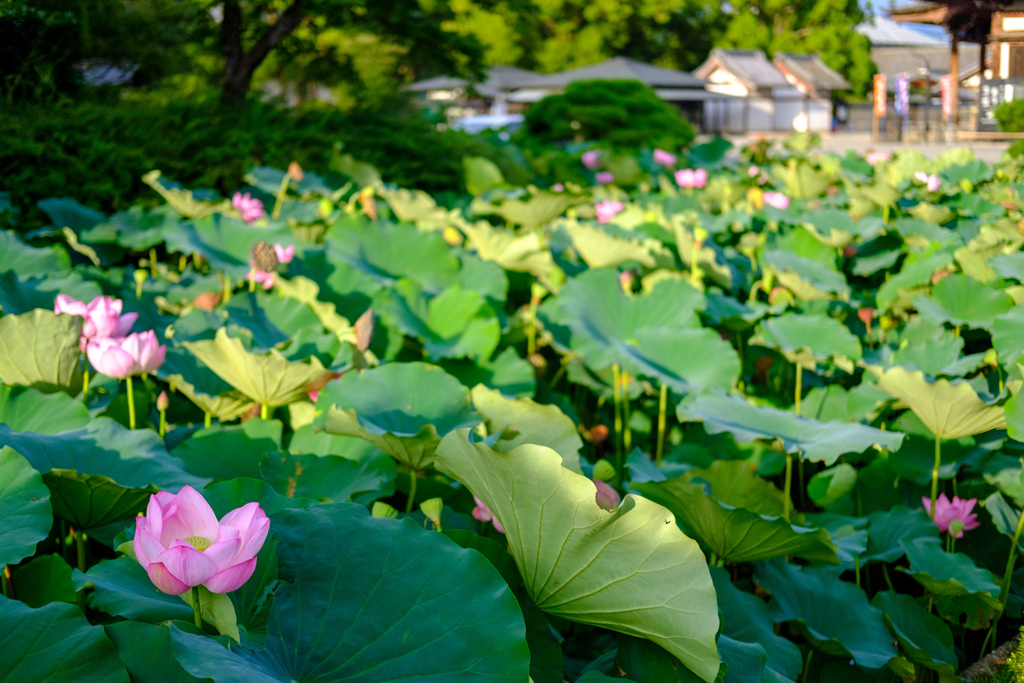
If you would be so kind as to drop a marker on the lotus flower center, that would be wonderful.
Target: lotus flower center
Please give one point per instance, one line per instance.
(198, 542)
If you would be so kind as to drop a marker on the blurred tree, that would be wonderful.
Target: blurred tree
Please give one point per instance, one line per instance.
(824, 27)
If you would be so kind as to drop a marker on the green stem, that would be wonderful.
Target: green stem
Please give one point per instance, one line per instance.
(80, 548)
(264, 411)
(888, 581)
(856, 568)
(807, 666)
(1004, 593)
(627, 431)
(252, 283)
(163, 423)
(7, 590)
(412, 492)
(225, 294)
(197, 608)
(152, 262)
(799, 386)
(531, 329)
(787, 486)
(85, 383)
(280, 196)
(935, 474)
(618, 413)
(662, 405)
(206, 419)
(131, 403)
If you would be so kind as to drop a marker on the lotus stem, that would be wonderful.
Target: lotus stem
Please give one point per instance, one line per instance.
(85, 383)
(79, 548)
(280, 196)
(531, 329)
(807, 665)
(264, 411)
(787, 486)
(197, 608)
(799, 387)
(163, 423)
(662, 405)
(225, 288)
(182, 263)
(618, 419)
(152, 262)
(131, 403)
(5, 585)
(627, 432)
(935, 474)
(206, 418)
(252, 283)
(412, 492)
(1004, 593)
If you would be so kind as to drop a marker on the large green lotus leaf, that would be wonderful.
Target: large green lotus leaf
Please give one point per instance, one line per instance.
(933, 357)
(917, 270)
(801, 180)
(481, 174)
(305, 290)
(962, 300)
(688, 361)
(640, 660)
(808, 339)
(867, 264)
(55, 643)
(267, 378)
(89, 501)
(631, 570)
(524, 252)
(27, 410)
(747, 619)
(368, 600)
(19, 295)
(818, 441)
(331, 477)
(888, 530)
(924, 637)
(949, 409)
(522, 421)
(25, 514)
(733, 524)
(26, 261)
(416, 206)
(139, 645)
(41, 349)
(44, 579)
(837, 228)
(202, 386)
(834, 403)
(402, 408)
(813, 598)
(122, 588)
(961, 586)
(1008, 335)
(136, 229)
(543, 207)
(599, 249)
(809, 280)
(225, 241)
(457, 323)
(920, 232)
(226, 452)
(507, 372)
(271, 319)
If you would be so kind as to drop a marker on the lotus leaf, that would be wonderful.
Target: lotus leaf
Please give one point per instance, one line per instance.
(809, 339)
(599, 249)
(457, 323)
(40, 349)
(949, 409)
(962, 300)
(25, 515)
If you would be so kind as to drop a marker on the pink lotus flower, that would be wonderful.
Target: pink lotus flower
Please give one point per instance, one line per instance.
(247, 205)
(664, 158)
(102, 316)
(483, 513)
(558, 187)
(605, 177)
(284, 254)
(931, 181)
(121, 358)
(266, 279)
(606, 497)
(776, 199)
(607, 210)
(688, 177)
(592, 159)
(874, 157)
(626, 280)
(181, 544)
(957, 511)
(753, 171)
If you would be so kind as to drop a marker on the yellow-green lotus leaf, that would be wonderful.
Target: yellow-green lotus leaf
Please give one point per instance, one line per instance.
(949, 409)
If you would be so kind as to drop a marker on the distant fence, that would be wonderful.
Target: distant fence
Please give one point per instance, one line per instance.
(923, 124)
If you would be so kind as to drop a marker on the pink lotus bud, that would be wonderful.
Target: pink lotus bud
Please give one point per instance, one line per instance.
(626, 280)
(558, 187)
(685, 178)
(250, 207)
(606, 497)
(954, 517)
(874, 157)
(866, 315)
(483, 513)
(753, 171)
(777, 200)
(700, 177)
(607, 210)
(266, 279)
(181, 544)
(931, 181)
(162, 401)
(664, 158)
(592, 159)
(284, 254)
(605, 177)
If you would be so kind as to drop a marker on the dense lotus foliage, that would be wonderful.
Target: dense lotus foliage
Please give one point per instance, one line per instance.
(723, 415)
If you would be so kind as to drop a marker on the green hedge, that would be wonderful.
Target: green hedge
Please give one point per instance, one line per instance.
(97, 152)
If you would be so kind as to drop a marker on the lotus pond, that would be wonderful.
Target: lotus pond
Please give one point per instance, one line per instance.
(726, 415)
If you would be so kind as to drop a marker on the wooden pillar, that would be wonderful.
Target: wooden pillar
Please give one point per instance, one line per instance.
(954, 81)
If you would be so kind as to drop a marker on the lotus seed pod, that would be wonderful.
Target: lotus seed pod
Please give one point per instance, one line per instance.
(263, 257)
(431, 509)
(383, 510)
(604, 470)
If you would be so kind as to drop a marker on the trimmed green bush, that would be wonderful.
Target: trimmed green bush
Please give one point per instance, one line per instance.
(619, 113)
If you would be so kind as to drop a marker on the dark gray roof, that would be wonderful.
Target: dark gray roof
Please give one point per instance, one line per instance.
(811, 70)
(917, 60)
(619, 68)
(750, 66)
(499, 79)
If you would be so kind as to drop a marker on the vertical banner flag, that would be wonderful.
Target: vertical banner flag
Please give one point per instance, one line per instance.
(880, 95)
(902, 101)
(946, 85)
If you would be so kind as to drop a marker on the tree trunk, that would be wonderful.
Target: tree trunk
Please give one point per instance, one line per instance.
(239, 65)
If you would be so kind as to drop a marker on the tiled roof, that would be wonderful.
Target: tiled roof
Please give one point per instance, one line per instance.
(619, 68)
(811, 70)
(749, 66)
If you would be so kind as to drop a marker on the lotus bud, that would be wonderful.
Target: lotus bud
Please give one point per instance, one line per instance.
(626, 281)
(700, 235)
(452, 236)
(606, 497)
(207, 301)
(604, 470)
(140, 276)
(383, 510)
(431, 509)
(368, 203)
(940, 276)
(538, 361)
(325, 208)
(295, 172)
(886, 322)
(598, 433)
(849, 251)
(162, 401)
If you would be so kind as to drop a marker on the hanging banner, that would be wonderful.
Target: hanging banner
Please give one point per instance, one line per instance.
(880, 95)
(902, 101)
(946, 86)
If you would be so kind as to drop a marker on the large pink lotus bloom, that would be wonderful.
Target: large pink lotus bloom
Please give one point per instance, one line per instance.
(181, 544)
(592, 159)
(664, 158)
(121, 358)
(483, 513)
(607, 210)
(247, 205)
(605, 177)
(284, 254)
(874, 157)
(102, 315)
(689, 177)
(947, 512)
(606, 496)
(931, 181)
(776, 199)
